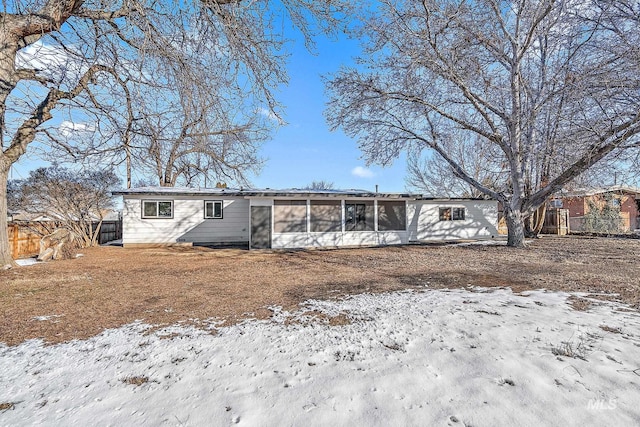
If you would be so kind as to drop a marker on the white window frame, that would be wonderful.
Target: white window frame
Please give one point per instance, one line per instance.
(464, 213)
(451, 209)
(213, 209)
(556, 203)
(157, 215)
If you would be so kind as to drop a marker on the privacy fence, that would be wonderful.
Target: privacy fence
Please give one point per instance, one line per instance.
(24, 236)
(556, 221)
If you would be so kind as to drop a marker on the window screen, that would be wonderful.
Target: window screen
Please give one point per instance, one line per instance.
(290, 216)
(326, 215)
(392, 216)
(157, 209)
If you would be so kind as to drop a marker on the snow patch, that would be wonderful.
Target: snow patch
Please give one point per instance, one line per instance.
(24, 262)
(450, 357)
(48, 317)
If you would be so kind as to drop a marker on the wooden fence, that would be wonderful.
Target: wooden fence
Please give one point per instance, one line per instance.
(24, 237)
(556, 221)
(110, 231)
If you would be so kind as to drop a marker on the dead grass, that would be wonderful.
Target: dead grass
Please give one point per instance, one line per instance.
(610, 329)
(578, 303)
(6, 406)
(112, 286)
(570, 349)
(137, 381)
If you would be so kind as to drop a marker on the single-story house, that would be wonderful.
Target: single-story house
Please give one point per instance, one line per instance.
(578, 202)
(298, 218)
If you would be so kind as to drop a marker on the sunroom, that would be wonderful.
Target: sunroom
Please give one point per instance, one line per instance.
(330, 221)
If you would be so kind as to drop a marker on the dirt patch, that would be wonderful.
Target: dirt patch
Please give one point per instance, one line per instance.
(112, 286)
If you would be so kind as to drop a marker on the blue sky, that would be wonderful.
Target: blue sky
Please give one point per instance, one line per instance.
(304, 150)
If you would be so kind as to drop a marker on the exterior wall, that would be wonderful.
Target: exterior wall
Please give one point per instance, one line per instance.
(188, 224)
(629, 207)
(481, 220)
(335, 239)
(579, 206)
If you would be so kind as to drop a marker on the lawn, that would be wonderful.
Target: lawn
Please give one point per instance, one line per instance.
(111, 286)
(417, 335)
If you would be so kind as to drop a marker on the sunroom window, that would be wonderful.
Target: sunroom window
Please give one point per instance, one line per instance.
(290, 216)
(359, 216)
(392, 216)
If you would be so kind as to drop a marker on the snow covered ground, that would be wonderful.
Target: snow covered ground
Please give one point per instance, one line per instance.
(25, 262)
(459, 358)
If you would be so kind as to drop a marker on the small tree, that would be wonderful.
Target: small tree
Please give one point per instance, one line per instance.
(603, 217)
(77, 199)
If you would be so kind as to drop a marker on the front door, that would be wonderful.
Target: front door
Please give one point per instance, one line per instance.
(260, 227)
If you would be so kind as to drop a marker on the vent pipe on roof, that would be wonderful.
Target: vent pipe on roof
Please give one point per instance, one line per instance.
(376, 188)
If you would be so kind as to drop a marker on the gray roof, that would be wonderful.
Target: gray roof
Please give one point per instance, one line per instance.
(255, 192)
(579, 192)
(269, 192)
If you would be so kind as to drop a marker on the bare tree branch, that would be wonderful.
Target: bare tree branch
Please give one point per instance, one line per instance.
(549, 88)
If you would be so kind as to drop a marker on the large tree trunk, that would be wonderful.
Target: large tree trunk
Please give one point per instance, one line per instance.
(6, 260)
(515, 227)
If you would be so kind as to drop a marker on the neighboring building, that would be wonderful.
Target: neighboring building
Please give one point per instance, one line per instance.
(577, 203)
(298, 218)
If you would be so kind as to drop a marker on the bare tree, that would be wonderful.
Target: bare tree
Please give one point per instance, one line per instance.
(76, 199)
(202, 129)
(320, 185)
(551, 86)
(180, 124)
(70, 64)
(433, 175)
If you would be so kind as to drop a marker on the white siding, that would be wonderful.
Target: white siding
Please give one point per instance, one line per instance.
(188, 223)
(480, 222)
(335, 239)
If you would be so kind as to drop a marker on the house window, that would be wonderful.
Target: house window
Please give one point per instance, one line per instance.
(290, 216)
(556, 203)
(157, 209)
(326, 215)
(213, 209)
(359, 216)
(452, 214)
(392, 216)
